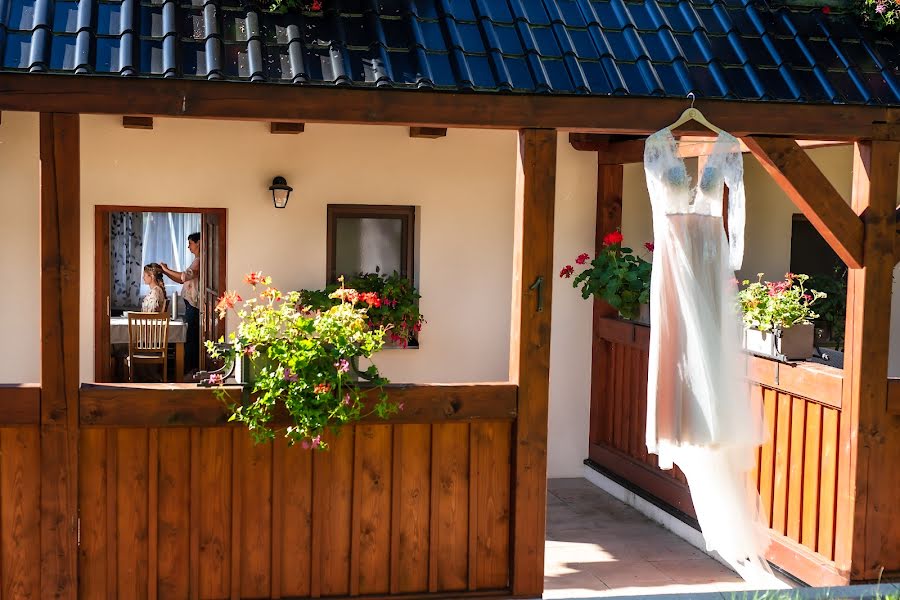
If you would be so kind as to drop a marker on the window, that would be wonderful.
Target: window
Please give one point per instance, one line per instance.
(366, 239)
(810, 253)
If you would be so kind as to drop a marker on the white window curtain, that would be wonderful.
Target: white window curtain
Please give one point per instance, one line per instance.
(165, 240)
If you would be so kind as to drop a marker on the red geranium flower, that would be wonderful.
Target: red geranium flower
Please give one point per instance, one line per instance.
(649, 246)
(316, 5)
(567, 271)
(227, 301)
(582, 258)
(612, 238)
(826, 10)
(253, 278)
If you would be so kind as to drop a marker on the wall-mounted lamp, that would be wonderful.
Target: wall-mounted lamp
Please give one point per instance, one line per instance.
(281, 191)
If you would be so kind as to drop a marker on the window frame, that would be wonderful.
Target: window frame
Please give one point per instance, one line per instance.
(407, 216)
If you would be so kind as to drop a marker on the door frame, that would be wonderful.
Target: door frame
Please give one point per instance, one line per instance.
(102, 266)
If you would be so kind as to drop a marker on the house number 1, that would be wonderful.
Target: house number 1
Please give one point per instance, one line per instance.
(538, 286)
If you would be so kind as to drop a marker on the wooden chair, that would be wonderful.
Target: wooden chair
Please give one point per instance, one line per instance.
(148, 340)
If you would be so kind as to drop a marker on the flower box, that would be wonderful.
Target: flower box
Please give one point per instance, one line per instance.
(643, 316)
(793, 343)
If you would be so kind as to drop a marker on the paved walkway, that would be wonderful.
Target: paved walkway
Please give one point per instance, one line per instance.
(597, 546)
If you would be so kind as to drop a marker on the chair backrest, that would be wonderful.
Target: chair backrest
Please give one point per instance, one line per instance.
(148, 332)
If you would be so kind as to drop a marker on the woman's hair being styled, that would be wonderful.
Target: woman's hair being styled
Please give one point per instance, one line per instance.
(194, 237)
(155, 271)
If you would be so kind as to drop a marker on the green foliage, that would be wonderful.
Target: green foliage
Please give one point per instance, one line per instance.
(294, 6)
(768, 305)
(303, 363)
(616, 275)
(833, 308)
(393, 304)
(879, 14)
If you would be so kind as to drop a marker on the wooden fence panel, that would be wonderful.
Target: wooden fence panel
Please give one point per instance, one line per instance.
(20, 512)
(204, 512)
(796, 470)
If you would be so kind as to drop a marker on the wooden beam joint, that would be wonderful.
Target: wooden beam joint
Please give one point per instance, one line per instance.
(285, 127)
(130, 122)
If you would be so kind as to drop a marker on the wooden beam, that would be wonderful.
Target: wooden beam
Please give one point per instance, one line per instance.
(343, 104)
(129, 122)
(588, 142)
(20, 404)
(427, 132)
(187, 405)
(813, 194)
(60, 256)
(530, 352)
(283, 127)
(868, 535)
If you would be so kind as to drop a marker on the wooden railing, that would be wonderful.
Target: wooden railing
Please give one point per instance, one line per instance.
(797, 469)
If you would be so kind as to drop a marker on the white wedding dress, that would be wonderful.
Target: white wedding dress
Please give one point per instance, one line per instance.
(700, 415)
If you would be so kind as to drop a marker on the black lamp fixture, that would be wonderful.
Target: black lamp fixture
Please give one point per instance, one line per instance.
(281, 192)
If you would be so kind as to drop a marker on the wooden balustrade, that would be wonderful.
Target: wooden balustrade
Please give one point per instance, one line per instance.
(797, 469)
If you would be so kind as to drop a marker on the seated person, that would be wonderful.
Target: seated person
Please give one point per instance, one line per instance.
(155, 300)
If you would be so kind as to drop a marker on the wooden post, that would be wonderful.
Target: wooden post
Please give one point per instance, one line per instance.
(530, 352)
(60, 285)
(867, 536)
(610, 181)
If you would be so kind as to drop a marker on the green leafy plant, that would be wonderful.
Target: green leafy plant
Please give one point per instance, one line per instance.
(296, 6)
(878, 14)
(616, 275)
(304, 362)
(769, 305)
(392, 300)
(833, 308)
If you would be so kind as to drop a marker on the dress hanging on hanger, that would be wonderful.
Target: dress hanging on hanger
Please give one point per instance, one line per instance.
(700, 414)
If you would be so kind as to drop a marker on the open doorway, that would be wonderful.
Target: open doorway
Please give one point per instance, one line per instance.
(127, 239)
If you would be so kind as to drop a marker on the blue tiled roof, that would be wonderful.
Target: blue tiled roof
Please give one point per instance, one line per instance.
(737, 49)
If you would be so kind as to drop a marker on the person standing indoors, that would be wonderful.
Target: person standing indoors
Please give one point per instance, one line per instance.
(190, 291)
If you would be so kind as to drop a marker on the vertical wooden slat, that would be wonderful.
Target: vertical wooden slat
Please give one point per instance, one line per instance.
(255, 550)
(491, 480)
(435, 484)
(608, 401)
(235, 545)
(618, 402)
(112, 527)
(472, 555)
(20, 535)
(355, 510)
(174, 520)
(782, 456)
(639, 422)
(530, 350)
(296, 475)
(811, 471)
(828, 485)
(92, 503)
(152, 513)
(275, 533)
(451, 516)
(767, 462)
(214, 512)
(131, 518)
(867, 534)
(59, 298)
(332, 508)
(372, 485)
(196, 509)
(410, 540)
(795, 476)
(628, 400)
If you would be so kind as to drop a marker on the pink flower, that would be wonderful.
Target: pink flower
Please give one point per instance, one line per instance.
(649, 246)
(567, 271)
(216, 379)
(250, 350)
(400, 406)
(317, 441)
(347, 400)
(304, 444)
(342, 365)
(879, 8)
(582, 258)
(289, 375)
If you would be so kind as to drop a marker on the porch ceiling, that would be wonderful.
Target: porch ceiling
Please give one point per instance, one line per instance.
(729, 49)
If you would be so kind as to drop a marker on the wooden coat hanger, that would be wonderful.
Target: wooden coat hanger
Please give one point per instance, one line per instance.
(693, 114)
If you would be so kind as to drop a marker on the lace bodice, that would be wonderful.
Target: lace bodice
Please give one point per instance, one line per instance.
(673, 193)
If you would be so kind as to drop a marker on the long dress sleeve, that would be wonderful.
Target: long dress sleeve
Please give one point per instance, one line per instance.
(733, 173)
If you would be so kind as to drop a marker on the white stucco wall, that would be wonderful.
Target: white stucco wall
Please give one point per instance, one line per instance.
(20, 316)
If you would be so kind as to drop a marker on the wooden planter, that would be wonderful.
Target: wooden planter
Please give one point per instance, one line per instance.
(643, 317)
(793, 343)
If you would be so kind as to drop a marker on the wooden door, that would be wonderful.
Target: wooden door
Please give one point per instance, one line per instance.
(212, 282)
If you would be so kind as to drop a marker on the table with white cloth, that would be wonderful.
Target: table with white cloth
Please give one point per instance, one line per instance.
(118, 334)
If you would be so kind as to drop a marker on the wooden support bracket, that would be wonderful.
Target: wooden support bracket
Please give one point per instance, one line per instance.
(129, 122)
(427, 132)
(813, 194)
